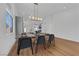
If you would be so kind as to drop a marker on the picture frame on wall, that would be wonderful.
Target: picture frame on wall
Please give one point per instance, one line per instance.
(9, 22)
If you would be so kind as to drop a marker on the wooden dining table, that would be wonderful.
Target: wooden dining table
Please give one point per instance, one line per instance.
(35, 36)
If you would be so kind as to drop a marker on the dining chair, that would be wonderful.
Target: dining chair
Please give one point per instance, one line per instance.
(51, 39)
(24, 42)
(40, 41)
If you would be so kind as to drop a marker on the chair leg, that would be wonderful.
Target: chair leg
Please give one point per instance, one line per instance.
(53, 42)
(49, 42)
(36, 48)
(44, 45)
(32, 50)
(18, 50)
(18, 47)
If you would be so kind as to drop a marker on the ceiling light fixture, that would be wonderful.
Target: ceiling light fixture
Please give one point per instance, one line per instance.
(36, 17)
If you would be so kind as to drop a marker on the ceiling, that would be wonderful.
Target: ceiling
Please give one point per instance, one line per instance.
(44, 9)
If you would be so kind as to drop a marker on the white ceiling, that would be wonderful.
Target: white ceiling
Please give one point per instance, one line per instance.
(44, 9)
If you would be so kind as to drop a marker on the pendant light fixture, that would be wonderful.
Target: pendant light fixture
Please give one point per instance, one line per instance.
(35, 17)
(35, 11)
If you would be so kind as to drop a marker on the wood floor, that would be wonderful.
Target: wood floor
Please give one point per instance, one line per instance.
(62, 48)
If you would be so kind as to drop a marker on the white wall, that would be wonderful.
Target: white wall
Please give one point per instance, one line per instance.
(48, 25)
(64, 24)
(6, 39)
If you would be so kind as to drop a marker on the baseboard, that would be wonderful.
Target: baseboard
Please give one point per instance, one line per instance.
(67, 40)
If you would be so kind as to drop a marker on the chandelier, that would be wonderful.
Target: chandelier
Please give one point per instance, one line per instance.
(36, 17)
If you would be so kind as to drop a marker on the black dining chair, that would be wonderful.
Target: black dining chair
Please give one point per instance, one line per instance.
(24, 42)
(40, 41)
(51, 39)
